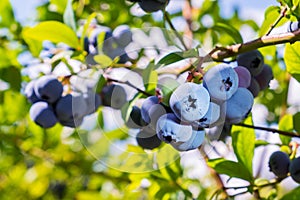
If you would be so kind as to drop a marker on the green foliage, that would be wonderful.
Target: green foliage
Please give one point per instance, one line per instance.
(292, 59)
(98, 163)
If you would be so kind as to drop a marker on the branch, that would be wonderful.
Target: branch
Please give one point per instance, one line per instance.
(280, 17)
(219, 54)
(286, 133)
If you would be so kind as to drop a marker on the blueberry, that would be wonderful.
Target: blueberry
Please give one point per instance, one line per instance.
(211, 116)
(122, 35)
(254, 87)
(239, 106)
(279, 163)
(190, 102)
(294, 169)
(152, 110)
(48, 88)
(29, 92)
(114, 96)
(252, 60)
(194, 142)
(73, 122)
(264, 77)
(221, 82)
(170, 130)
(135, 119)
(42, 114)
(153, 5)
(244, 76)
(293, 26)
(70, 109)
(148, 139)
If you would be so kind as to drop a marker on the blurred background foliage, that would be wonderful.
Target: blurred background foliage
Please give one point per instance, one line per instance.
(53, 163)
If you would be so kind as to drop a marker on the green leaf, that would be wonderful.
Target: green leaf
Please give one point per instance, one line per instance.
(292, 59)
(53, 31)
(230, 30)
(85, 28)
(69, 18)
(261, 143)
(12, 75)
(100, 118)
(178, 56)
(271, 15)
(286, 124)
(296, 120)
(292, 195)
(6, 14)
(230, 168)
(243, 142)
(100, 83)
(103, 60)
(60, 5)
(150, 78)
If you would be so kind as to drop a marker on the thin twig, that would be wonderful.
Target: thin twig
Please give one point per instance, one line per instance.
(129, 84)
(214, 173)
(168, 20)
(280, 17)
(286, 133)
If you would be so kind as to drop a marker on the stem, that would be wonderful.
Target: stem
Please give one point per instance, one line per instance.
(280, 17)
(129, 84)
(286, 133)
(216, 176)
(220, 53)
(168, 20)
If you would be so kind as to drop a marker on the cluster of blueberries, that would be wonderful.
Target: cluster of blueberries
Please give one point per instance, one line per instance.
(225, 96)
(281, 165)
(259, 74)
(102, 39)
(50, 105)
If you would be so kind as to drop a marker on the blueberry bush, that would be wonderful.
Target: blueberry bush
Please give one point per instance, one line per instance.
(149, 99)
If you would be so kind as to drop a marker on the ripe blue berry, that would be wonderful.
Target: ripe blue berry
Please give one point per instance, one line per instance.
(29, 92)
(294, 169)
(264, 77)
(42, 114)
(254, 87)
(239, 106)
(122, 35)
(194, 142)
(71, 109)
(169, 129)
(244, 76)
(48, 88)
(148, 139)
(252, 60)
(211, 116)
(152, 110)
(113, 96)
(279, 163)
(153, 5)
(135, 119)
(190, 102)
(221, 81)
